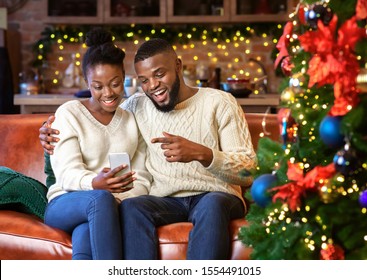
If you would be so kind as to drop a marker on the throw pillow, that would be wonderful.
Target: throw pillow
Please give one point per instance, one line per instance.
(22, 193)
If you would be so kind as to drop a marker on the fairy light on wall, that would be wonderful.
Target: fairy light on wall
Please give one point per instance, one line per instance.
(225, 37)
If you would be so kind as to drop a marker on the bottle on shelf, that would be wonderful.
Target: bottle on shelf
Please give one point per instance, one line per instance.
(215, 80)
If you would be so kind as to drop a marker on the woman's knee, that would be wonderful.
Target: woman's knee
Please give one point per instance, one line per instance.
(103, 196)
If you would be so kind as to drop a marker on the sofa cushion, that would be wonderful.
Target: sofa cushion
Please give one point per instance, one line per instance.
(26, 237)
(21, 193)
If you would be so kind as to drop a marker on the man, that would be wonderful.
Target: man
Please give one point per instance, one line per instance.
(197, 142)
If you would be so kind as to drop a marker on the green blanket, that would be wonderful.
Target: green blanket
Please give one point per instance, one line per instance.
(21, 193)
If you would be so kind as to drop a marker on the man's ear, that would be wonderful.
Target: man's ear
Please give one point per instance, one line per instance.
(178, 65)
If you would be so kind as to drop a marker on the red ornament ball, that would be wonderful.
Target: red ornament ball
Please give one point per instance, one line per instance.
(332, 252)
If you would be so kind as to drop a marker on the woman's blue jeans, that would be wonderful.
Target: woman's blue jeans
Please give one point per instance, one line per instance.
(210, 214)
(92, 218)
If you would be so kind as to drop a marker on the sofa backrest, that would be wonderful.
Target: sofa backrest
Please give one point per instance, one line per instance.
(21, 150)
(262, 125)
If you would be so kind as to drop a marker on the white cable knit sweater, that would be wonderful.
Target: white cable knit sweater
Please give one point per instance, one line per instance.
(212, 118)
(84, 145)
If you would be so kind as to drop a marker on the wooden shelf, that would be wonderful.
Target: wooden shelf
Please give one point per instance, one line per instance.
(48, 103)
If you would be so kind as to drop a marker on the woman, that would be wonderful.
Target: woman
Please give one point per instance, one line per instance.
(83, 199)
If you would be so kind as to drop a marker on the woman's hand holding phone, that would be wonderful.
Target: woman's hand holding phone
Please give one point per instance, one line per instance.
(119, 177)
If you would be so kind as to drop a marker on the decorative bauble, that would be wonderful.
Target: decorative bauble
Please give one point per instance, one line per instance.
(363, 199)
(318, 12)
(362, 80)
(287, 66)
(327, 192)
(345, 160)
(287, 125)
(296, 82)
(287, 95)
(330, 131)
(332, 252)
(260, 187)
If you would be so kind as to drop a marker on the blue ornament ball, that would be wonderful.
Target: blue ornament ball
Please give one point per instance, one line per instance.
(345, 160)
(363, 199)
(330, 132)
(259, 189)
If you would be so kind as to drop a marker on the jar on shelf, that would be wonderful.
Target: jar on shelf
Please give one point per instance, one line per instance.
(263, 7)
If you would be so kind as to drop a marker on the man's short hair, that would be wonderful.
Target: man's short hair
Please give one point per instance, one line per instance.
(152, 47)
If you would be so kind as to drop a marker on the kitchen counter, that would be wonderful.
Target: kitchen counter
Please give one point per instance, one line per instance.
(48, 103)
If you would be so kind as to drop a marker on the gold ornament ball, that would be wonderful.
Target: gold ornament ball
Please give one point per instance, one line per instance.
(287, 95)
(362, 80)
(327, 192)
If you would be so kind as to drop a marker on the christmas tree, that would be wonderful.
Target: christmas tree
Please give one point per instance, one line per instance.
(310, 187)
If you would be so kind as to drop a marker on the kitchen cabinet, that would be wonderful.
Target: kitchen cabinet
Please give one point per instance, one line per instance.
(134, 11)
(74, 12)
(261, 10)
(166, 11)
(228, 11)
(196, 11)
(106, 11)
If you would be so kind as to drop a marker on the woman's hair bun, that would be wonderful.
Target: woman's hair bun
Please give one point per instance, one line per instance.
(98, 36)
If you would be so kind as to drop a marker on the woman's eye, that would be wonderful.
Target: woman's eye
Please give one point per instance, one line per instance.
(97, 88)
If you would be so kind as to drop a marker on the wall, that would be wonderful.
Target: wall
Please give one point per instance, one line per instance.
(28, 22)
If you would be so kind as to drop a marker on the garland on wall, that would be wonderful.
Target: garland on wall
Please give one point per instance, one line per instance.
(175, 34)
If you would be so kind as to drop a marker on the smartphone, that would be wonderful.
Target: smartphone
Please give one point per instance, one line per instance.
(117, 159)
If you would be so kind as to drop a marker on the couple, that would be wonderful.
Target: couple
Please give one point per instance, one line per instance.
(195, 141)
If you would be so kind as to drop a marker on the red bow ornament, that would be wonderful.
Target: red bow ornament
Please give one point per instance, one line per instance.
(333, 61)
(361, 9)
(292, 192)
(283, 43)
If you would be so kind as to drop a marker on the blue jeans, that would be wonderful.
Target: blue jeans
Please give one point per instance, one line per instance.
(92, 218)
(210, 214)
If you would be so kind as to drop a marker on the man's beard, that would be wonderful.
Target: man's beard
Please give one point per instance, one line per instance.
(173, 98)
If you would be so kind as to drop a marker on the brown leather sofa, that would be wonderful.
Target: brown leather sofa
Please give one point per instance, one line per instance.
(24, 236)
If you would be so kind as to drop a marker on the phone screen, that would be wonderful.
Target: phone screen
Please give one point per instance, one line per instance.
(117, 159)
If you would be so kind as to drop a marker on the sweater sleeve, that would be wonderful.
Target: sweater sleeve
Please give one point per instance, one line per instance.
(235, 152)
(67, 161)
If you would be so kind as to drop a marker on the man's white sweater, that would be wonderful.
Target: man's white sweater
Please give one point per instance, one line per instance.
(212, 118)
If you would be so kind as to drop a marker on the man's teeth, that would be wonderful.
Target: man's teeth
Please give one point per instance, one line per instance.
(158, 92)
(108, 101)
